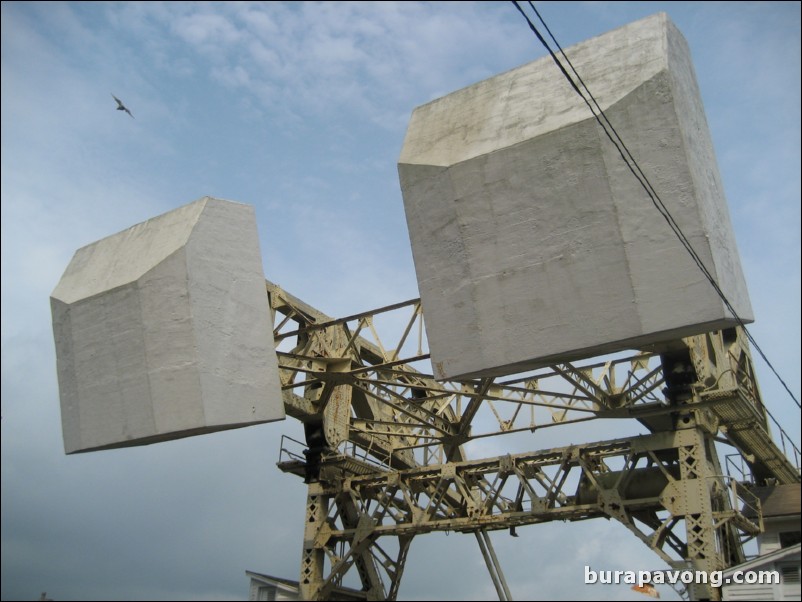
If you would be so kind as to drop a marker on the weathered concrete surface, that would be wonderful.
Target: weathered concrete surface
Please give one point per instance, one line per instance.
(163, 331)
(532, 240)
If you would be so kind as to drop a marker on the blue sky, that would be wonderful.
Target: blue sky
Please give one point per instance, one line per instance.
(300, 110)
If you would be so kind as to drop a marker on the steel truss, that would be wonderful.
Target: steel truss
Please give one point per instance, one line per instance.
(386, 456)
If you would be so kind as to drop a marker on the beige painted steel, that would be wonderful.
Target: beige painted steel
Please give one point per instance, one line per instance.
(163, 331)
(533, 242)
(402, 473)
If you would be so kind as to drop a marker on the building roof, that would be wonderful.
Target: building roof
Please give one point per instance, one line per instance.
(270, 580)
(772, 557)
(776, 501)
(337, 593)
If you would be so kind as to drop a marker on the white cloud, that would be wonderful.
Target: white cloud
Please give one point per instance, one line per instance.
(300, 109)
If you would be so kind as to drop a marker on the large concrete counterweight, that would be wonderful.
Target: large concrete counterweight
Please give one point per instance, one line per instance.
(532, 240)
(164, 331)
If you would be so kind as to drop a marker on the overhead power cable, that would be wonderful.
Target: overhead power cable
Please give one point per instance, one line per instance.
(637, 172)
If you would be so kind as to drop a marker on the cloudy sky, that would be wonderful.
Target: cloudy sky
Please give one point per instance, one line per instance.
(300, 110)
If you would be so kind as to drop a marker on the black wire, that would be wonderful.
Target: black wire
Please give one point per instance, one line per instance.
(599, 114)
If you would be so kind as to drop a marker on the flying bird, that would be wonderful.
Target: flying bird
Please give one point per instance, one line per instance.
(121, 106)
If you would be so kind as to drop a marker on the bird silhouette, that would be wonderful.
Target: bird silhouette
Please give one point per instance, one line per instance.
(121, 106)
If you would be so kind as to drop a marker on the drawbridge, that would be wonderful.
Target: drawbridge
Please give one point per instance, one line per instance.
(556, 301)
(384, 458)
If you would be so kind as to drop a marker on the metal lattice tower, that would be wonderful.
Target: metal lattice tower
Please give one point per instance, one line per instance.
(533, 247)
(390, 464)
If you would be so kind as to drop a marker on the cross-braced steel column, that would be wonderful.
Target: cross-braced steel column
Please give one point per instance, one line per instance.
(313, 554)
(697, 486)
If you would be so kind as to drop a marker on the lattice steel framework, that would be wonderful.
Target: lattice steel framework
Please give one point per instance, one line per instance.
(386, 447)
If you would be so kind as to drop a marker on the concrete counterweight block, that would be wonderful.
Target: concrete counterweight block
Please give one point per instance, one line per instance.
(163, 331)
(532, 240)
